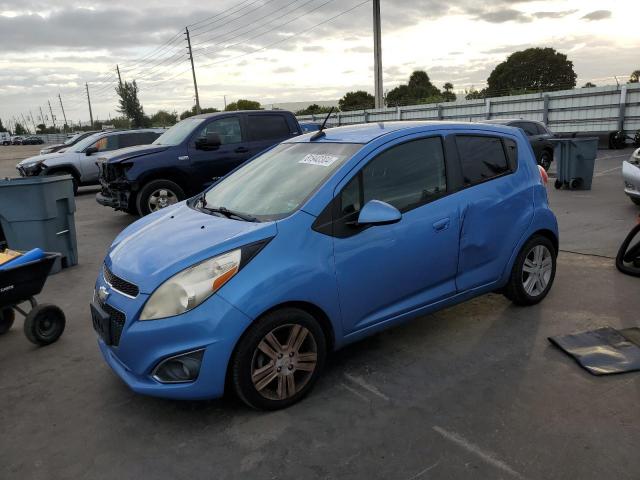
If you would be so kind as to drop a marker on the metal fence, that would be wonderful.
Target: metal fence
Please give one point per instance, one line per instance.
(598, 109)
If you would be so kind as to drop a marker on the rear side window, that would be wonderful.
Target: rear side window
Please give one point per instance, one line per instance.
(529, 128)
(267, 127)
(405, 176)
(132, 139)
(481, 158)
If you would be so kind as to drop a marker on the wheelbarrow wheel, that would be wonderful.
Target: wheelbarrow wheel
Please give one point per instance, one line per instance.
(44, 324)
(558, 184)
(7, 316)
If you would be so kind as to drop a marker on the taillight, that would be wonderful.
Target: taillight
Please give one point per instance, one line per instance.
(544, 177)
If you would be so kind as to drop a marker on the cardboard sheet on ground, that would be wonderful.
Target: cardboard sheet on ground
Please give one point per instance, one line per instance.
(603, 351)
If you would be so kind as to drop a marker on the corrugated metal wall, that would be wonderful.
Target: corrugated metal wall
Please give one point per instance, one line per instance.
(598, 109)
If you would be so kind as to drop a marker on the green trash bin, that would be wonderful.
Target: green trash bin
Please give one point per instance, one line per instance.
(39, 212)
(575, 159)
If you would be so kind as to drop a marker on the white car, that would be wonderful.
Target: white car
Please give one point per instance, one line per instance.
(5, 138)
(631, 175)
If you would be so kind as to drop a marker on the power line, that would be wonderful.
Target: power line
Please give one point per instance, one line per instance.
(199, 24)
(266, 2)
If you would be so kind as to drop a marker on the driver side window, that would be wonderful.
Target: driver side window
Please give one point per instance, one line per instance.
(227, 128)
(106, 144)
(405, 176)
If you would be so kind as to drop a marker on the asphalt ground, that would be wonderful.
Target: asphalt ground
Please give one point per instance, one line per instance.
(475, 391)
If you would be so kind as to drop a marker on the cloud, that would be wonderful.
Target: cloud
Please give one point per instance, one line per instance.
(284, 70)
(501, 15)
(561, 14)
(597, 15)
(313, 48)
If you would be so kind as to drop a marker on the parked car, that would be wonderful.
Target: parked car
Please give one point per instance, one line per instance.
(188, 157)
(32, 140)
(17, 140)
(69, 142)
(323, 240)
(631, 175)
(5, 138)
(539, 137)
(79, 161)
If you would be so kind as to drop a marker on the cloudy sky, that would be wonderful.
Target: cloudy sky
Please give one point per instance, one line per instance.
(279, 51)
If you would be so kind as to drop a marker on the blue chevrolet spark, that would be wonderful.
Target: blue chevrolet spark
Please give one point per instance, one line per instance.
(322, 240)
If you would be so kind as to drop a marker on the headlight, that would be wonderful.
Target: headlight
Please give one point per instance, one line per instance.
(189, 288)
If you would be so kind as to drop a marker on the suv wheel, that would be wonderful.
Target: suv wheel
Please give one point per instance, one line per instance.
(278, 360)
(158, 194)
(533, 272)
(74, 179)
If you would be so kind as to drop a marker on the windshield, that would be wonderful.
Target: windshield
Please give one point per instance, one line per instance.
(72, 139)
(176, 134)
(87, 142)
(275, 184)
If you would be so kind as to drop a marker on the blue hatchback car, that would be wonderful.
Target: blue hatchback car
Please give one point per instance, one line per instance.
(322, 240)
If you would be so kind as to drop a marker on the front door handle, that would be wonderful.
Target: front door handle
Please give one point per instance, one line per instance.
(241, 150)
(441, 225)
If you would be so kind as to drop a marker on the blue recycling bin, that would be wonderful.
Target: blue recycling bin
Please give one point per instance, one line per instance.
(38, 212)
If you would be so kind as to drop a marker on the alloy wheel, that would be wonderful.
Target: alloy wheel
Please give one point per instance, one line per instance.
(537, 270)
(284, 361)
(161, 198)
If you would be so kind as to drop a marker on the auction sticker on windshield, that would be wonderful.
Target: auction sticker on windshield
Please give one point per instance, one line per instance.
(319, 159)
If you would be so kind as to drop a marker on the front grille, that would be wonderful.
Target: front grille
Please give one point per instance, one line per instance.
(116, 320)
(119, 284)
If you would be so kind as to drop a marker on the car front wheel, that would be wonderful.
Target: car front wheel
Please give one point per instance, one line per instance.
(279, 359)
(533, 272)
(158, 194)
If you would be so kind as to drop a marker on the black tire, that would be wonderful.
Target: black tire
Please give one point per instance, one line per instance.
(545, 160)
(142, 200)
(558, 184)
(635, 200)
(44, 324)
(515, 289)
(7, 317)
(575, 183)
(244, 357)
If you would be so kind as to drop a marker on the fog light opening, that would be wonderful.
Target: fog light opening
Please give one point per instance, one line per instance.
(180, 368)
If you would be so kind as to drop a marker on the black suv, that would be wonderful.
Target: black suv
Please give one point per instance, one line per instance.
(188, 157)
(539, 137)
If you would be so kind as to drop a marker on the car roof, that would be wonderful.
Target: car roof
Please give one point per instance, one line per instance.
(367, 132)
(217, 114)
(507, 121)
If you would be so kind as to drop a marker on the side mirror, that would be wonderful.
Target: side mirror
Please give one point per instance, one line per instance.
(210, 142)
(376, 212)
(90, 151)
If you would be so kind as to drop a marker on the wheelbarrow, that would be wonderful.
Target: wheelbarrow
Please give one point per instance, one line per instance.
(43, 323)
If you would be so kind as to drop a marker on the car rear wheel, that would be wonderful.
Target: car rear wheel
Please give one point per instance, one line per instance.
(545, 160)
(279, 359)
(74, 180)
(635, 200)
(533, 272)
(158, 194)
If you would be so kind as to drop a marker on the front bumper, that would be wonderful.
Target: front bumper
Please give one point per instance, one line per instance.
(30, 170)
(631, 175)
(214, 326)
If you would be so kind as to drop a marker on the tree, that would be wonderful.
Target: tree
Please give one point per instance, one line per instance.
(192, 112)
(418, 90)
(162, 118)
(589, 85)
(533, 69)
(243, 105)
(20, 130)
(473, 94)
(130, 104)
(635, 77)
(359, 100)
(448, 94)
(2, 129)
(313, 109)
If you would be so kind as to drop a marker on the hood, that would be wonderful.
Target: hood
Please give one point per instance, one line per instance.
(41, 158)
(164, 243)
(132, 152)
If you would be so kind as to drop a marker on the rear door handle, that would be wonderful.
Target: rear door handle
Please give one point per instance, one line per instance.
(441, 225)
(241, 150)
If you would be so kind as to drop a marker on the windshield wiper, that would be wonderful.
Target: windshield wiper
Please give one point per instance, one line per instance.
(225, 211)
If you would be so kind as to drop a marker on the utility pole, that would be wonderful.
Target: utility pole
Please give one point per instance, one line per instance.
(35, 129)
(193, 69)
(63, 114)
(89, 100)
(377, 54)
(53, 118)
(24, 123)
(225, 102)
(119, 77)
(42, 117)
